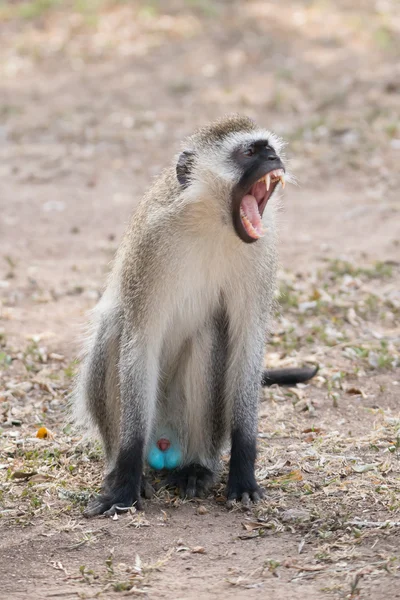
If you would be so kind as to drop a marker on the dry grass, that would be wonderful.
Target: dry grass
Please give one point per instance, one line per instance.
(339, 489)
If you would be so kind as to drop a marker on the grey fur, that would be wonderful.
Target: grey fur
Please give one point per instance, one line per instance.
(178, 337)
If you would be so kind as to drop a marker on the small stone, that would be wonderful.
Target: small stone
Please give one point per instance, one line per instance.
(202, 510)
(373, 359)
(304, 306)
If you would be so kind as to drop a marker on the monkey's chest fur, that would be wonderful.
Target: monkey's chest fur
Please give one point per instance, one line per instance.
(186, 402)
(203, 316)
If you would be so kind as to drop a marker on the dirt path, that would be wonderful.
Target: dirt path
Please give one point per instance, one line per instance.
(87, 116)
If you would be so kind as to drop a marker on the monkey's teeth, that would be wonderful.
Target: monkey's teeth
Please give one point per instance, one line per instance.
(273, 177)
(277, 175)
(249, 226)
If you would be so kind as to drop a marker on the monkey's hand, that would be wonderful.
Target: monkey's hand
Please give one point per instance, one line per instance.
(244, 490)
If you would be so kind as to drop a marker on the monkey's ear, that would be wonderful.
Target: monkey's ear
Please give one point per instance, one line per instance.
(184, 167)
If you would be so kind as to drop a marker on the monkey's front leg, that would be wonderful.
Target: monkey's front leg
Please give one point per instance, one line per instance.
(242, 484)
(138, 376)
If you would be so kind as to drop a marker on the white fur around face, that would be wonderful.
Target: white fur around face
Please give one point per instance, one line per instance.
(215, 158)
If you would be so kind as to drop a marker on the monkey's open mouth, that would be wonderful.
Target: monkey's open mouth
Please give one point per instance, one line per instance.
(254, 202)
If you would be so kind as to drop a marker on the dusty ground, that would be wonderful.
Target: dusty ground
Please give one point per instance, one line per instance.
(94, 97)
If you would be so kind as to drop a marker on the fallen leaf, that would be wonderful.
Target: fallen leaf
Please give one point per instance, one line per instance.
(363, 468)
(264, 473)
(289, 564)
(220, 499)
(45, 385)
(198, 550)
(44, 434)
(354, 391)
(58, 566)
(385, 467)
(312, 430)
(351, 317)
(40, 478)
(252, 525)
(298, 393)
(54, 356)
(23, 475)
(292, 476)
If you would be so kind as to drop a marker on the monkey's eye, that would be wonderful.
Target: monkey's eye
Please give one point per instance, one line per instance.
(250, 151)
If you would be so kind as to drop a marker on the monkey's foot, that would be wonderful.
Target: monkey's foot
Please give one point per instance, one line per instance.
(192, 481)
(245, 494)
(112, 501)
(109, 504)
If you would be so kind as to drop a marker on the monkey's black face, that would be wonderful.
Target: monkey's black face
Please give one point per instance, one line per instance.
(262, 171)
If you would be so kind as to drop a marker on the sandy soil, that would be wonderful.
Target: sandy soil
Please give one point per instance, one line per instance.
(93, 103)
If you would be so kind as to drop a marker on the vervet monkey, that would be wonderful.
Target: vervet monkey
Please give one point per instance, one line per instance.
(178, 337)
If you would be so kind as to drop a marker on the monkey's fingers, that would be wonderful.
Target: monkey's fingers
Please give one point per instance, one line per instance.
(147, 489)
(191, 487)
(256, 496)
(245, 498)
(231, 502)
(95, 507)
(246, 501)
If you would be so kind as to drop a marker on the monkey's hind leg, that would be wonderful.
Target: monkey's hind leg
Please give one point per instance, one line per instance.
(99, 382)
(138, 375)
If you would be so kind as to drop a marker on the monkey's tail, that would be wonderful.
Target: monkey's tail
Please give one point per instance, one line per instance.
(288, 376)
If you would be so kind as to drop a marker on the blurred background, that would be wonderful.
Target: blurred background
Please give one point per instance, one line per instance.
(95, 96)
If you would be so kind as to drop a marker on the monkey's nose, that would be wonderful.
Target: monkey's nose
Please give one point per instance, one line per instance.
(271, 156)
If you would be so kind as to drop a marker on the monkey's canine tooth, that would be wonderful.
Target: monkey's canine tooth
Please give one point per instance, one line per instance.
(268, 181)
(282, 179)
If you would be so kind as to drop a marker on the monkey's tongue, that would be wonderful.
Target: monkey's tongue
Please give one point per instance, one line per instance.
(251, 217)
